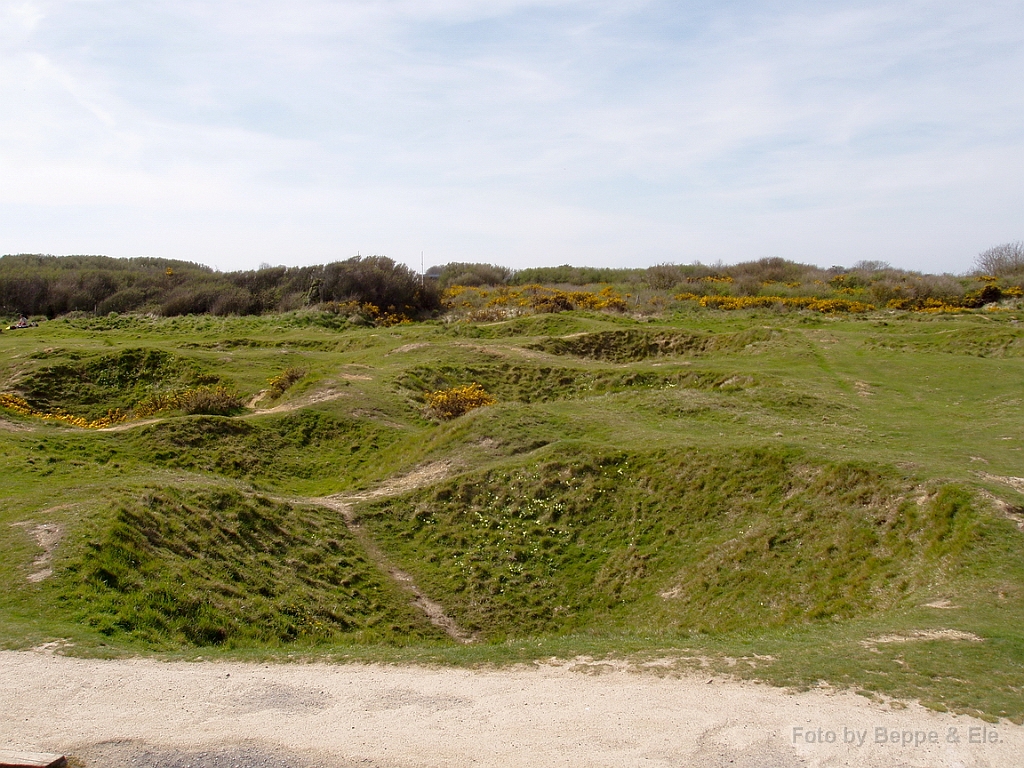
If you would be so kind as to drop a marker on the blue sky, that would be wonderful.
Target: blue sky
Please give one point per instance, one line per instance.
(521, 133)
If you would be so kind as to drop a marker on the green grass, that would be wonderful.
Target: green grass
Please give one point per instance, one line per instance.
(216, 567)
(752, 538)
(767, 492)
(96, 385)
(294, 451)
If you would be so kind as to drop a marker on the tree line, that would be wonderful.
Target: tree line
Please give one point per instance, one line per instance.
(37, 285)
(33, 284)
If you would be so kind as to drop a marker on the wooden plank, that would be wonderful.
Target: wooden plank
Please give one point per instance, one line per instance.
(31, 760)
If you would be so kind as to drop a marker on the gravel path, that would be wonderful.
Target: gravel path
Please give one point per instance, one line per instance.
(151, 714)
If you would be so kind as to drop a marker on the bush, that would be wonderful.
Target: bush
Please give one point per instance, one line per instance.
(234, 301)
(128, 300)
(474, 275)
(280, 384)
(774, 269)
(451, 403)
(211, 401)
(393, 288)
(1005, 259)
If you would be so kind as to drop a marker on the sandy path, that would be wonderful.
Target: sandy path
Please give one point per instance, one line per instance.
(143, 712)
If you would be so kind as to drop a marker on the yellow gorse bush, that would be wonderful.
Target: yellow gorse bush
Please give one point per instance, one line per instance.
(371, 312)
(204, 399)
(16, 404)
(535, 298)
(279, 384)
(826, 306)
(453, 402)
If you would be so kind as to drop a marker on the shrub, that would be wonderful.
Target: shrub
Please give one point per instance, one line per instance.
(825, 306)
(773, 269)
(234, 301)
(1005, 259)
(211, 401)
(453, 402)
(665, 277)
(127, 300)
(458, 273)
(279, 384)
(393, 288)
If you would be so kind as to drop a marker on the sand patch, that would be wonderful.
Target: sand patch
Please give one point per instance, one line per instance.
(47, 536)
(863, 388)
(420, 477)
(408, 348)
(921, 635)
(942, 604)
(1007, 510)
(1017, 483)
(320, 396)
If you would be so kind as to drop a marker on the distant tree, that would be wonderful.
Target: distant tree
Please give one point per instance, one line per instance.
(773, 269)
(569, 275)
(1005, 259)
(869, 265)
(666, 276)
(458, 273)
(380, 281)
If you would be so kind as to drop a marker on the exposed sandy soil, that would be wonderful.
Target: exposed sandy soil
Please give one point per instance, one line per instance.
(47, 536)
(1017, 483)
(144, 712)
(320, 396)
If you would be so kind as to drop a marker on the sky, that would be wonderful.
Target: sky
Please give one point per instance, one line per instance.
(515, 132)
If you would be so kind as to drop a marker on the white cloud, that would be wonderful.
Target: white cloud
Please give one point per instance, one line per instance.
(529, 132)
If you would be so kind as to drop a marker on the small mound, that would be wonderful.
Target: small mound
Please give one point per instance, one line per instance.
(974, 342)
(215, 567)
(297, 444)
(525, 383)
(635, 344)
(531, 325)
(93, 387)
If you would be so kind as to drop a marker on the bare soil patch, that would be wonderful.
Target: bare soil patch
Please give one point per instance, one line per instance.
(47, 536)
(1017, 483)
(920, 635)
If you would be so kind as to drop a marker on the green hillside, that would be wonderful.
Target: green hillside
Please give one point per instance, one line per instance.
(773, 492)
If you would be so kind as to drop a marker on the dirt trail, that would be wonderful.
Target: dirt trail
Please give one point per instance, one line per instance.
(146, 713)
(418, 478)
(320, 396)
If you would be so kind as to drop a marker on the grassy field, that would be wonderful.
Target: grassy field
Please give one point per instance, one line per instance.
(791, 496)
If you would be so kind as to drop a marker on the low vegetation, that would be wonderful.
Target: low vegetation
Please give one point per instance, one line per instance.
(738, 465)
(456, 401)
(216, 567)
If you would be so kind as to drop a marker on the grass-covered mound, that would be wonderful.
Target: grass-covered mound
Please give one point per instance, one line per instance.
(688, 540)
(95, 385)
(627, 345)
(998, 341)
(532, 383)
(216, 567)
(300, 445)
